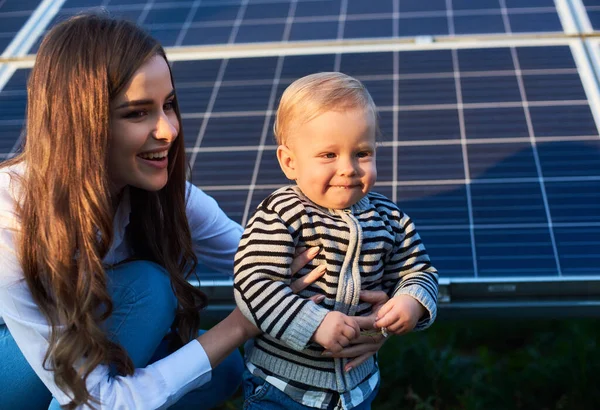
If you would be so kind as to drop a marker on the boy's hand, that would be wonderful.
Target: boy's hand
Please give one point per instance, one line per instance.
(400, 314)
(336, 331)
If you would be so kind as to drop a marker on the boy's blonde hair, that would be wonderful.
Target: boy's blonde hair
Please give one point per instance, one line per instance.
(314, 94)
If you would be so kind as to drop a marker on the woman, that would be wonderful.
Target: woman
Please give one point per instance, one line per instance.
(99, 232)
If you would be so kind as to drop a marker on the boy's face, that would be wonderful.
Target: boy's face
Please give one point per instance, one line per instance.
(332, 157)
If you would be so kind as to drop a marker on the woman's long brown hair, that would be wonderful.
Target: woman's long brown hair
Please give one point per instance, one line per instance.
(66, 211)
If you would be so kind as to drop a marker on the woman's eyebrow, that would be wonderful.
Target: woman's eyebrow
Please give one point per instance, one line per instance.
(134, 103)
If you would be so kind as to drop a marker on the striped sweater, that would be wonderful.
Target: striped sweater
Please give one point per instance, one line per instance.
(371, 246)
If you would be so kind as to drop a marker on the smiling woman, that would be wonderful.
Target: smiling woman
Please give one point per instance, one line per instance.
(99, 232)
(144, 126)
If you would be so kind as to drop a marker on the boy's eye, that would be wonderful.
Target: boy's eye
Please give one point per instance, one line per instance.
(329, 155)
(363, 154)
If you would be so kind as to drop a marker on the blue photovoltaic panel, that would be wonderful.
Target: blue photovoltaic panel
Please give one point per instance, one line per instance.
(497, 160)
(224, 168)
(592, 8)
(229, 201)
(187, 23)
(13, 99)
(507, 200)
(13, 15)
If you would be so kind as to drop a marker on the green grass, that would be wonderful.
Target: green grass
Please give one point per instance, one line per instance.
(499, 364)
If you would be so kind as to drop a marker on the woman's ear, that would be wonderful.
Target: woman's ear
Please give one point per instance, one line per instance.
(287, 161)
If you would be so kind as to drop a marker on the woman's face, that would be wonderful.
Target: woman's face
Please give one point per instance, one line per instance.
(143, 127)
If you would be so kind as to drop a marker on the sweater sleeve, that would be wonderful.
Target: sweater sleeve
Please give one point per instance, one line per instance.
(262, 277)
(409, 270)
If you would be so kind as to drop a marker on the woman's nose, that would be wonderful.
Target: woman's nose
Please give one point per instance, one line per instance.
(166, 129)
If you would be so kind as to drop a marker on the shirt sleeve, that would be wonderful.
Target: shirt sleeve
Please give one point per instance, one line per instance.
(155, 386)
(215, 237)
(262, 277)
(410, 271)
(158, 385)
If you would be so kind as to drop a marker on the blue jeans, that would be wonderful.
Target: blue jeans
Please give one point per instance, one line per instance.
(143, 311)
(261, 395)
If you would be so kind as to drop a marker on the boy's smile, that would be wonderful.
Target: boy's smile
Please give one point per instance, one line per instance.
(332, 157)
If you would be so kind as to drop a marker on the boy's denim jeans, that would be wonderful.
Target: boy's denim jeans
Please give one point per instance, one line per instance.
(260, 395)
(144, 309)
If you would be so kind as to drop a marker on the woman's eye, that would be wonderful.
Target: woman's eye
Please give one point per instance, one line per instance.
(169, 105)
(135, 114)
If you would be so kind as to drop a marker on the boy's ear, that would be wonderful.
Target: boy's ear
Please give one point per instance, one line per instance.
(287, 161)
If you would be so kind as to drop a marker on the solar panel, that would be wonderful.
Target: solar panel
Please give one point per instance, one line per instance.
(187, 23)
(13, 16)
(592, 10)
(518, 146)
(489, 112)
(13, 99)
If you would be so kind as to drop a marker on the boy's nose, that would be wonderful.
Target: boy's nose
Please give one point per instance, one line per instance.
(347, 168)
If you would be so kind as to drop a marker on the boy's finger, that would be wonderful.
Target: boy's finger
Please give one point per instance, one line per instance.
(349, 332)
(343, 341)
(387, 320)
(356, 330)
(383, 311)
(351, 322)
(396, 327)
(335, 348)
(303, 282)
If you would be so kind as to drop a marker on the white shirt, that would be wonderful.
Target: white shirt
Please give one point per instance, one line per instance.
(159, 385)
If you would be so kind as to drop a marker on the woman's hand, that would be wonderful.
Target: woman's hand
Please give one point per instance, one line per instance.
(369, 343)
(219, 341)
(301, 258)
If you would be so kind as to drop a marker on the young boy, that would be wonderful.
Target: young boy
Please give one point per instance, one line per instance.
(326, 130)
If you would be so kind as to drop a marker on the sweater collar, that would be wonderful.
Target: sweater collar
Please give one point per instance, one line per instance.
(361, 205)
